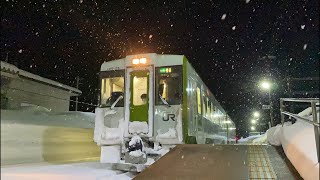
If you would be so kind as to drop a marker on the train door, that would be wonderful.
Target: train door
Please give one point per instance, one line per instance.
(139, 101)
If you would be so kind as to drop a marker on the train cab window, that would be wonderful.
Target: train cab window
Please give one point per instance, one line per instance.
(169, 85)
(112, 87)
(199, 100)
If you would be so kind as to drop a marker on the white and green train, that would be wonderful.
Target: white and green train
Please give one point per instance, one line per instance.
(151, 102)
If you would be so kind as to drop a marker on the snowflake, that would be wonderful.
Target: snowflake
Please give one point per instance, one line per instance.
(223, 16)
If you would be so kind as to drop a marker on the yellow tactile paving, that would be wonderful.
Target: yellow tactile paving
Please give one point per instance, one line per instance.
(259, 164)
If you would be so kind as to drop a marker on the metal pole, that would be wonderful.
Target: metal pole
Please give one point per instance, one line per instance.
(316, 129)
(271, 108)
(227, 122)
(281, 110)
(77, 79)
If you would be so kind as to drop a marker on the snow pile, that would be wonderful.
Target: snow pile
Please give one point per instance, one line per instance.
(112, 134)
(32, 137)
(136, 153)
(138, 127)
(298, 142)
(110, 154)
(171, 133)
(79, 171)
(135, 140)
(248, 139)
(261, 140)
(33, 108)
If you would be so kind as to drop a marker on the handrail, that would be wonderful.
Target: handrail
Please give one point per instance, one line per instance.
(301, 100)
(315, 122)
(300, 117)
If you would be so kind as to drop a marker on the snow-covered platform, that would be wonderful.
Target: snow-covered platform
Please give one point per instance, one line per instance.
(79, 171)
(222, 162)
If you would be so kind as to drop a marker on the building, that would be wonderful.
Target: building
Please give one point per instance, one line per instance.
(20, 88)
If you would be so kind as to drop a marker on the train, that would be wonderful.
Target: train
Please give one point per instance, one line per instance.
(149, 103)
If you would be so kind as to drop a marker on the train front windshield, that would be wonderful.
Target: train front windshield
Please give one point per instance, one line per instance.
(112, 87)
(169, 85)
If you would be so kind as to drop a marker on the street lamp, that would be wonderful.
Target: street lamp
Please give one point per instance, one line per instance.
(253, 128)
(266, 85)
(256, 114)
(253, 121)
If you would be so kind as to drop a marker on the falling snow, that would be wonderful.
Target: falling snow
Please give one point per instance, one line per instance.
(223, 16)
(229, 45)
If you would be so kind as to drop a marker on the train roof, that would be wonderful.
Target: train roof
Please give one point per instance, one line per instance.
(156, 59)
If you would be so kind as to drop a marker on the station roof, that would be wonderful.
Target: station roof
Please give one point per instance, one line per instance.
(12, 69)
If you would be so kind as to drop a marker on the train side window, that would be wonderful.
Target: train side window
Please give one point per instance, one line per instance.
(204, 105)
(112, 87)
(208, 109)
(169, 85)
(199, 100)
(212, 112)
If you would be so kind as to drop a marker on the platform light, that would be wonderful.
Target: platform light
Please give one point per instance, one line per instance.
(143, 60)
(135, 61)
(256, 114)
(266, 85)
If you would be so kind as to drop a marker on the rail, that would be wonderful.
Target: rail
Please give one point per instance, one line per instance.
(315, 122)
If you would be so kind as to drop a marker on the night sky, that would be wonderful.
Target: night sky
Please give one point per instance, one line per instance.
(232, 44)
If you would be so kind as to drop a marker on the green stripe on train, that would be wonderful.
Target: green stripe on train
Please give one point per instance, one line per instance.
(187, 139)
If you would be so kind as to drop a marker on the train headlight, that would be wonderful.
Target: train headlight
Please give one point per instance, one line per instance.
(139, 61)
(135, 61)
(143, 60)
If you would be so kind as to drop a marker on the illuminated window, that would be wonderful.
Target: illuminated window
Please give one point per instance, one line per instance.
(208, 109)
(169, 85)
(199, 100)
(212, 112)
(140, 90)
(112, 87)
(204, 105)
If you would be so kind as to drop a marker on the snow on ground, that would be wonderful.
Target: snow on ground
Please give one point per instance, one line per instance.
(79, 171)
(298, 142)
(248, 139)
(34, 134)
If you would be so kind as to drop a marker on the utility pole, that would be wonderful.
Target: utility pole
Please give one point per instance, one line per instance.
(77, 81)
(271, 109)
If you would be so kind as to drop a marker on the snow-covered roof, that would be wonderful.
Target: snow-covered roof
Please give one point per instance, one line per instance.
(13, 69)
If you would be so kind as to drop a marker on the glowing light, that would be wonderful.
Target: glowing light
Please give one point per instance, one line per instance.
(143, 60)
(227, 122)
(135, 61)
(253, 128)
(256, 114)
(253, 121)
(265, 85)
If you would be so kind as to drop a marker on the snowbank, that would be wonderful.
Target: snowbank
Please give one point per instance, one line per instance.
(37, 135)
(138, 127)
(298, 142)
(248, 139)
(79, 171)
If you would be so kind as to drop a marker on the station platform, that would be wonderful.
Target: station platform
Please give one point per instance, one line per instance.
(193, 161)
